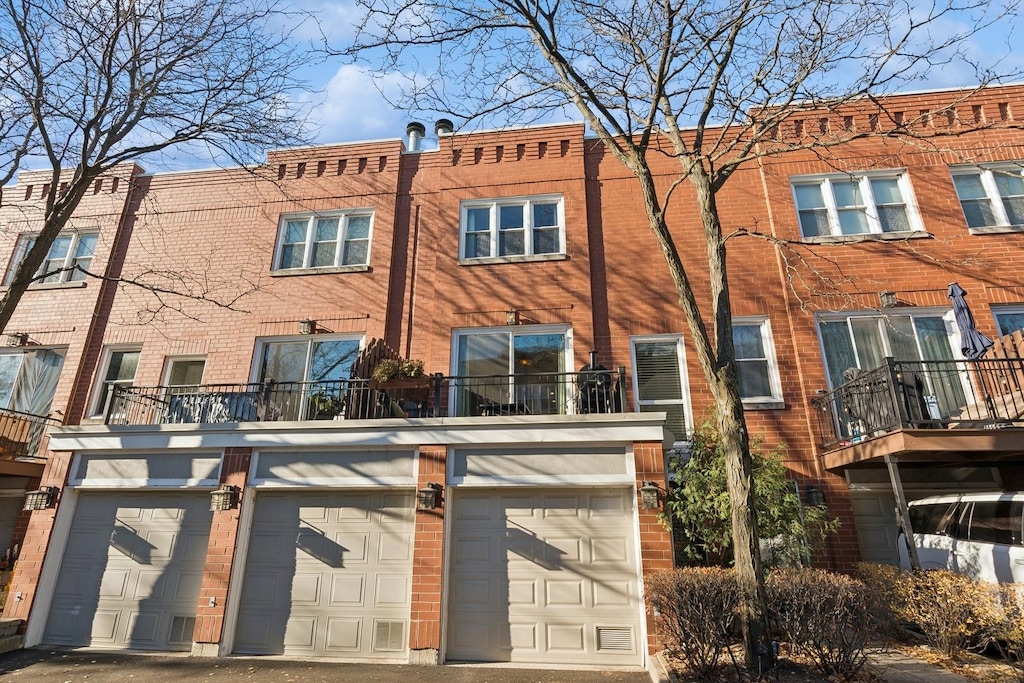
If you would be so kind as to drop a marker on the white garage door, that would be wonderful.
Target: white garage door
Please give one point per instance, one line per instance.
(544, 576)
(131, 571)
(328, 573)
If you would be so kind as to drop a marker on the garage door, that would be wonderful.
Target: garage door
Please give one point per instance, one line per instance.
(131, 571)
(328, 573)
(544, 576)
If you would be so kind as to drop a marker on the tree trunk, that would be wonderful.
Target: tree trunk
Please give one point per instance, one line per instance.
(719, 366)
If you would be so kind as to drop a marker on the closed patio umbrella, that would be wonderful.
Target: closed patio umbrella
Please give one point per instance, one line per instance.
(973, 343)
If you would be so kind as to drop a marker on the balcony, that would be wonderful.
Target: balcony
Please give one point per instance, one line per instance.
(21, 434)
(950, 412)
(433, 396)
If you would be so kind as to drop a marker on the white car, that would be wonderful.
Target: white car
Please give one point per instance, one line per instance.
(977, 534)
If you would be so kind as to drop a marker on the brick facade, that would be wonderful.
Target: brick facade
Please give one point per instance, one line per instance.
(219, 229)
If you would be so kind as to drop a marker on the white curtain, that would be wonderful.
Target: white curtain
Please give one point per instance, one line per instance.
(37, 381)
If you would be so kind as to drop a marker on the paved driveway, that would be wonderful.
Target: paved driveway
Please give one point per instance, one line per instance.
(77, 666)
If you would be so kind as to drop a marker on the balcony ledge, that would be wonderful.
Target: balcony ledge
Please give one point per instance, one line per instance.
(593, 428)
(959, 447)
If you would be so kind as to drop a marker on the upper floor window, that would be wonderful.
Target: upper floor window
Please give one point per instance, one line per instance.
(69, 255)
(991, 197)
(1009, 319)
(324, 240)
(866, 204)
(659, 381)
(506, 228)
(28, 379)
(755, 361)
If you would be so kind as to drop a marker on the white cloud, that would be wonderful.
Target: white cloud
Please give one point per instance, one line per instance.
(352, 107)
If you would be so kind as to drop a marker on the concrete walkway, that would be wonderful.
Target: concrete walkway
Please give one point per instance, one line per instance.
(896, 667)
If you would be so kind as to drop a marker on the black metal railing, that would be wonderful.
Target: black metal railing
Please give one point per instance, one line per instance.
(983, 394)
(584, 392)
(21, 434)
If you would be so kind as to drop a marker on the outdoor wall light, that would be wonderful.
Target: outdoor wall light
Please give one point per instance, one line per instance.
(42, 498)
(815, 496)
(225, 498)
(888, 299)
(307, 326)
(512, 317)
(17, 339)
(649, 496)
(428, 497)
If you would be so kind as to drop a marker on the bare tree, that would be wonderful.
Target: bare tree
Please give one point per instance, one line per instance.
(707, 83)
(86, 85)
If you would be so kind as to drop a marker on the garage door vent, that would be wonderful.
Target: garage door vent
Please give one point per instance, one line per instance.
(182, 629)
(615, 638)
(389, 636)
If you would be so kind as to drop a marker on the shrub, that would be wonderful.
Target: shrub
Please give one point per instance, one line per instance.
(952, 610)
(1008, 636)
(823, 615)
(697, 506)
(697, 608)
(883, 582)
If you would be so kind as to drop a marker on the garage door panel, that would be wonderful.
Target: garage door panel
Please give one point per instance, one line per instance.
(346, 567)
(104, 626)
(395, 548)
(391, 591)
(300, 633)
(142, 574)
(348, 590)
(563, 569)
(343, 635)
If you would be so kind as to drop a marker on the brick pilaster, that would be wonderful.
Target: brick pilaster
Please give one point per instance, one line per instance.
(655, 538)
(220, 552)
(38, 532)
(427, 561)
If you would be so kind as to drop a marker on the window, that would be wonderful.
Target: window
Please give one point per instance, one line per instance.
(68, 252)
(28, 379)
(307, 367)
(865, 341)
(755, 361)
(531, 226)
(513, 371)
(991, 197)
(119, 370)
(1009, 319)
(324, 240)
(842, 205)
(184, 372)
(659, 381)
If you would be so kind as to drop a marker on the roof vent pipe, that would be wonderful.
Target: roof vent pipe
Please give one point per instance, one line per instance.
(444, 127)
(415, 131)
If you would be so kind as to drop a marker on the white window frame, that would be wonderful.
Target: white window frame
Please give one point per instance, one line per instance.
(684, 381)
(494, 205)
(867, 195)
(311, 219)
(67, 275)
(262, 342)
(512, 331)
(987, 176)
(96, 409)
(997, 311)
(768, 344)
(169, 361)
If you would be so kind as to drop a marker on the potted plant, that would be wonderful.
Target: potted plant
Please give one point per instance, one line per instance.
(326, 406)
(391, 369)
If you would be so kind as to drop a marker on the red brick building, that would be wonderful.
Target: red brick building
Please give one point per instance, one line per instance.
(493, 508)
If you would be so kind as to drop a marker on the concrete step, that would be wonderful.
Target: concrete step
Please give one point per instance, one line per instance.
(9, 627)
(9, 643)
